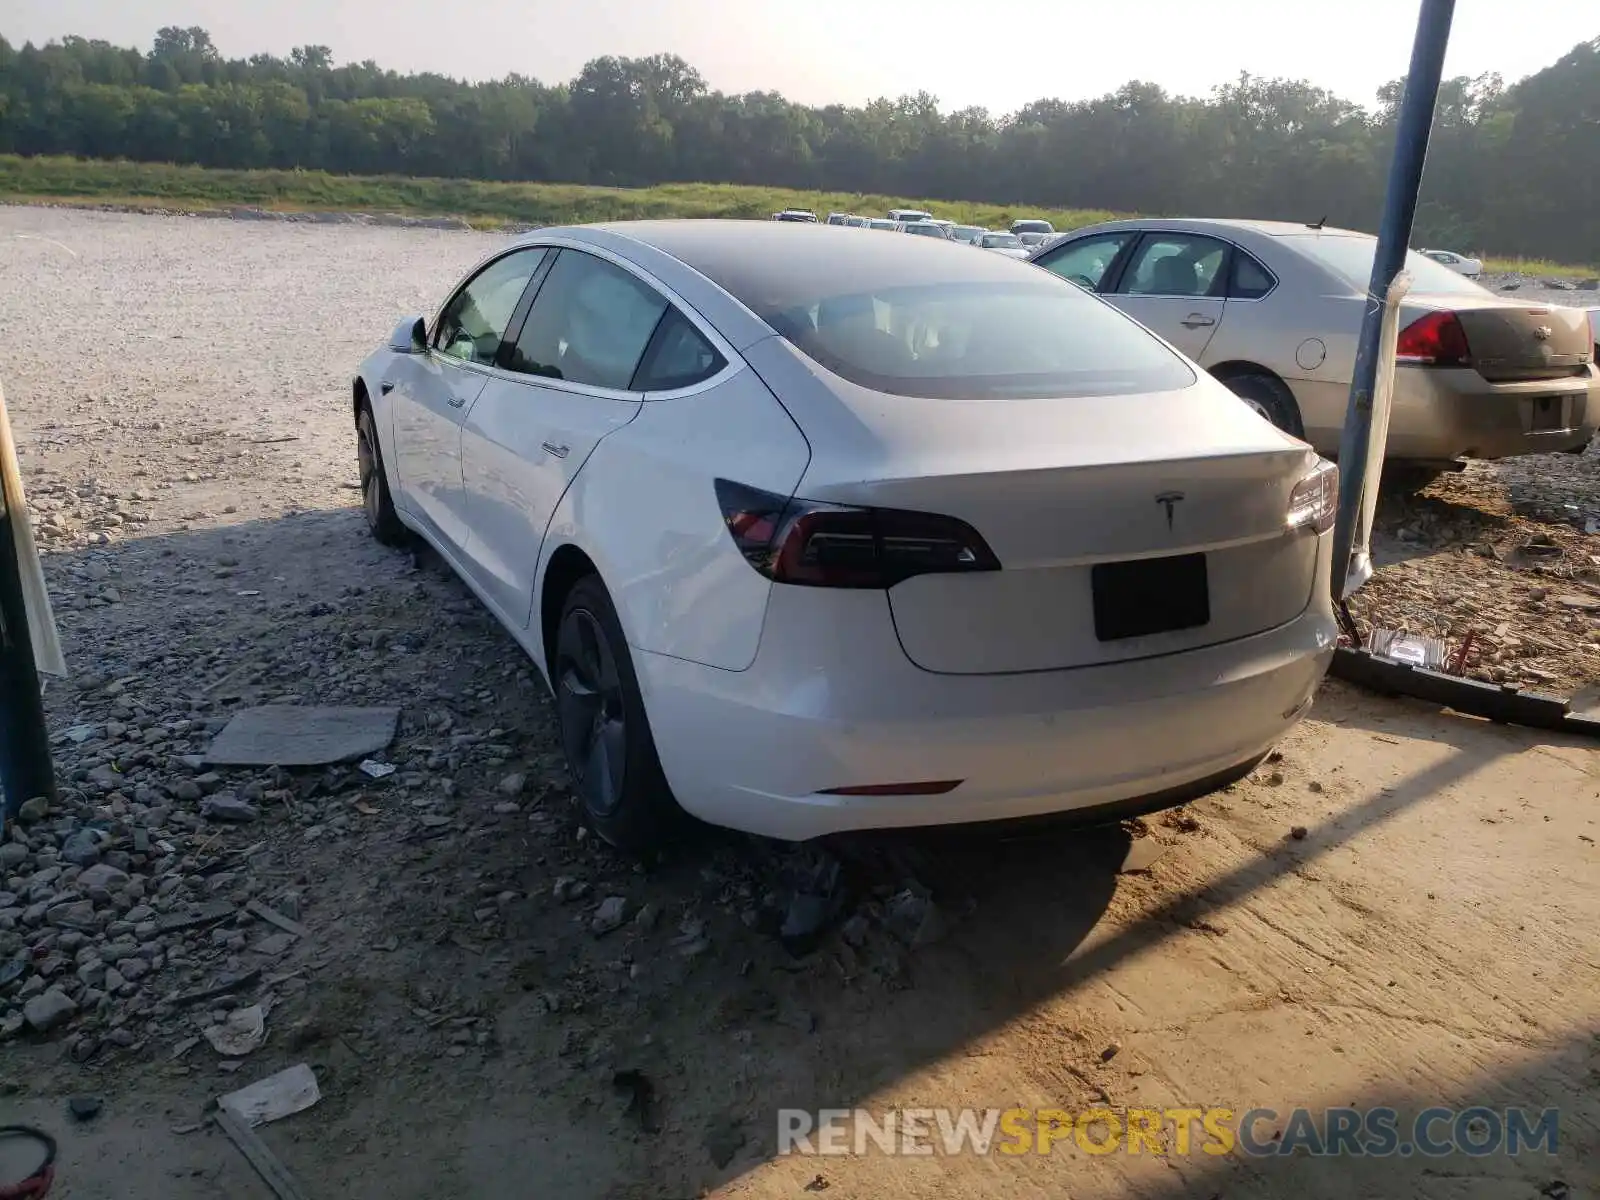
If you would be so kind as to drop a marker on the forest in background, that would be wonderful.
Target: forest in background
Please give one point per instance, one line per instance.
(1512, 169)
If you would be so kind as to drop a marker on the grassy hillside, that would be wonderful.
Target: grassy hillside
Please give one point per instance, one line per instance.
(479, 202)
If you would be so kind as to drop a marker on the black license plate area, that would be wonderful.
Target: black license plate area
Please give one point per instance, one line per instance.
(1549, 414)
(1150, 595)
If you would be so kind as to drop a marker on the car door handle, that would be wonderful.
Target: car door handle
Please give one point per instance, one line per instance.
(386, 386)
(553, 448)
(456, 402)
(1198, 321)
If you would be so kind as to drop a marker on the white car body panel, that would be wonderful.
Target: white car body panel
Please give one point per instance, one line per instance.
(761, 696)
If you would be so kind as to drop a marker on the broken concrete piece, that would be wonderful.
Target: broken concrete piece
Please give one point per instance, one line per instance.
(277, 1096)
(292, 736)
(1142, 854)
(243, 1031)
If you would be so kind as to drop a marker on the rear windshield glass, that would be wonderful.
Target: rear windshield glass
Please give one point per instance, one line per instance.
(981, 340)
(1351, 259)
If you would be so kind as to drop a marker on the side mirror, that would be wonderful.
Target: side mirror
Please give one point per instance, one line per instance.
(410, 336)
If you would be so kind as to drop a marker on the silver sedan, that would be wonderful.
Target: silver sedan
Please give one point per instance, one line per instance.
(1274, 311)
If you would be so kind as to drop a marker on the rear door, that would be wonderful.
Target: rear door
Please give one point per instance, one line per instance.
(596, 339)
(1176, 284)
(432, 398)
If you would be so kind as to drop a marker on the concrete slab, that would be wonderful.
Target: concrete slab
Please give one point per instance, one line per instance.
(283, 735)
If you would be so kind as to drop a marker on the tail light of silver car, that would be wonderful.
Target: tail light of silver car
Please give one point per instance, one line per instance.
(1434, 339)
(1315, 499)
(830, 545)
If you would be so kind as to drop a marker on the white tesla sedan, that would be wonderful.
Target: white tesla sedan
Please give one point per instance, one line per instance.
(811, 531)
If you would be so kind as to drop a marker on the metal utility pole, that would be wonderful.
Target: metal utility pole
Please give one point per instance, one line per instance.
(25, 766)
(1394, 239)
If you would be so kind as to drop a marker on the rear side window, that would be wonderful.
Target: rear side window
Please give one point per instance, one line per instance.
(1350, 258)
(678, 357)
(981, 340)
(1175, 264)
(589, 324)
(1251, 280)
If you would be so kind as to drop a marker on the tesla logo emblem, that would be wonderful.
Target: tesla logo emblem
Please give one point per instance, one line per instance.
(1542, 333)
(1169, 501)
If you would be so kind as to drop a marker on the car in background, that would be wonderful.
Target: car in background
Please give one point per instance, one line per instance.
(1274, 310)
(967, 233)
(700, 468)
(1034, 238)
(799, 215)
(837, 218)
(906, 215)
(1594, 329)
(1459, 263)
(882, 223)
(1004, 243)
(1033, 226)
(925, 229)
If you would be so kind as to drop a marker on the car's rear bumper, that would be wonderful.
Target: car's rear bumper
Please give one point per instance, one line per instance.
(1450, 413)
(831, 701)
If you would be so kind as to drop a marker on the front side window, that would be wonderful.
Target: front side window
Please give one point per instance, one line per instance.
(1086, 261)
(589, 324)
(1175, 264)
(972, 340)
(474, 321)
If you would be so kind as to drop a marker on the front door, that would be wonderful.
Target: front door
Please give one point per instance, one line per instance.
(1175, 284)
(432, 399)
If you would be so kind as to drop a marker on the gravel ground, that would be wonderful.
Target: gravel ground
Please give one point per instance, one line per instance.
(484, 992)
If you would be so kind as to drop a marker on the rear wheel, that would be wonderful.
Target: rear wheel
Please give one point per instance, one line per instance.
(604, 733)
(1270, 397)
(376, 502)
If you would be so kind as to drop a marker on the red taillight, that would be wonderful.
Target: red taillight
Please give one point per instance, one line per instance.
(1434, 340)
(829, 545)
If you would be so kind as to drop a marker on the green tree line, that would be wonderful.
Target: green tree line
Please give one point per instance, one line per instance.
(1512, 169)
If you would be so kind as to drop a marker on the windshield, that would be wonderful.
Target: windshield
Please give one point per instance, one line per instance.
(926, 230)
(1031, 239)
(1031, 227)
(1350, 258)
(981, 340)
(967, 232)
(1006, 240)
(880, 223)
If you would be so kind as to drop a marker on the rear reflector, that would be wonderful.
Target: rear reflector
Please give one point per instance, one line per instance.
(830, 545)
(937, 788)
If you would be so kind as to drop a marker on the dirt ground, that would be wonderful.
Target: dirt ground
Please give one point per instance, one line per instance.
(1400, 909)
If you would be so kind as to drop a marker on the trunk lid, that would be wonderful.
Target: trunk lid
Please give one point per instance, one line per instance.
(1057, 489)
(1511, 341)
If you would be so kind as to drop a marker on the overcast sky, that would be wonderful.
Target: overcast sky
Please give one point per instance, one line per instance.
(824, 51)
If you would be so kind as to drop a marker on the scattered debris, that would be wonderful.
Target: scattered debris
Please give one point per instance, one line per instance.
(243, 1032)
(376, 770)
(84, 1108)
(1400, 646)
(1110, 1051)
(613, 911)
(1141, 856)
(267, 1164)
(724, 1137)
(277, 1096)
(1298, 833)
(641, 1095)
(272, 917)
(814, 907)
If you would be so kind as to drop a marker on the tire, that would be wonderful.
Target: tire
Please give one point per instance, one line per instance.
(604, 731)
(376, 502)
(1270, 397)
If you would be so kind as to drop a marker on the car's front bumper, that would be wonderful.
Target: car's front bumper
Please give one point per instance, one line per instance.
(832, 701)
(1446, 413)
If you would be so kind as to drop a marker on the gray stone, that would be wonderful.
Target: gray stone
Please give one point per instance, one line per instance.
(133, 968)
(77, 914)
(92, 973)
(274, 944)
(83, 847)
(102, 875)
(114, 981)
(34, 810)
(512, 785)
(612, 912)
(187, 790)
(48, 1009)
(227, 807)
(294, 736)
(13, 855)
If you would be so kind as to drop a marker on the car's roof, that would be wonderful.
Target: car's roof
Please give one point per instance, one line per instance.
(763, 266)
(1223, 225)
